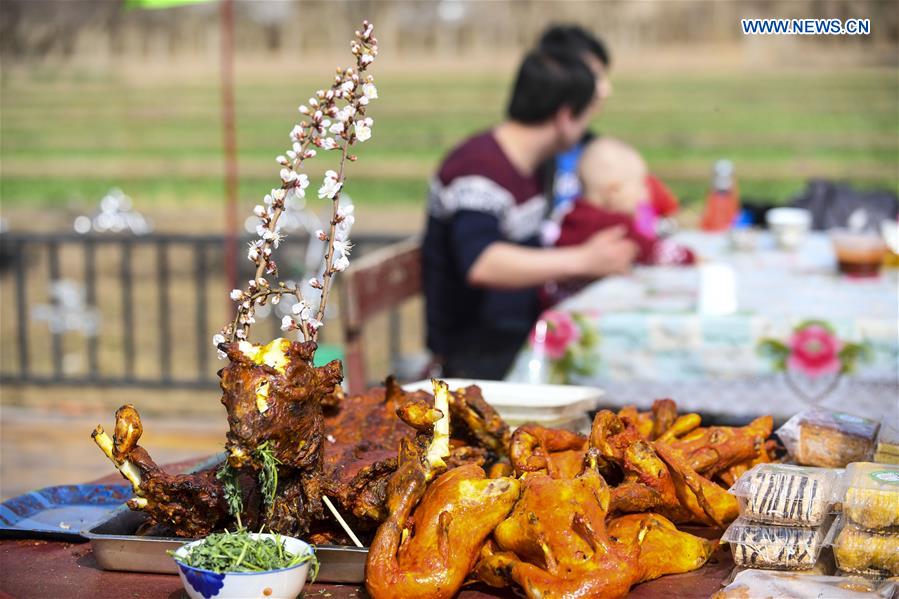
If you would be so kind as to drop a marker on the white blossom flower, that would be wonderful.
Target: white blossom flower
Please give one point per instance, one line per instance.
(294, 152)
(345, 211)
(315, 283)
(259, 210)
(321, 235)
(253, 253)
(288, 175)
(328, 143)
(236, 294)
(276, 299)
(363, 130)
(277, 238)
(370, 91)
(309, 153)
(261, 230)
(330, 187)
(314, 323)
(240, 333)
(287, 323)
(217, 339)
(281, 160)
(343, 246)
(302, 309)
(346, 113)
(296, 133)
(303, 109)
(347, 86)
(341, 263)
(366, 58)
(318, 115)
(279, 193)
(345, 220)
(313, 102)
(337, 128)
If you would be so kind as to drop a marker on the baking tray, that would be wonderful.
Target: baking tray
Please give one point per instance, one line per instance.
(61, 512)
(116, 547)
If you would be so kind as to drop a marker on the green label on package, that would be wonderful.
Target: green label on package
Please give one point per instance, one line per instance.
(886, 476)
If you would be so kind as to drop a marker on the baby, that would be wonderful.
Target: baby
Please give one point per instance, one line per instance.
(619, 191)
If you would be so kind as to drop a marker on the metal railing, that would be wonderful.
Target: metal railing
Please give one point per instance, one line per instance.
(100, 310)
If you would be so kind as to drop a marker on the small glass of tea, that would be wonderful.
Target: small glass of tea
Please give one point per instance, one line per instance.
(858, 254)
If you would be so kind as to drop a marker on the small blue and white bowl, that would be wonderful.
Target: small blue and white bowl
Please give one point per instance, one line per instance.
(286, 583)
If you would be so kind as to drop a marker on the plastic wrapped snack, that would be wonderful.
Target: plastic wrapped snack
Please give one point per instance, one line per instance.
(887, 448)
(766, 583)
(819, 437)
(784, 494)
(871, 498)
(864, 552)
(757, 545)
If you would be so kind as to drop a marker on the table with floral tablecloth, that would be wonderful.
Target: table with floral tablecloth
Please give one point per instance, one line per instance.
(801, 334)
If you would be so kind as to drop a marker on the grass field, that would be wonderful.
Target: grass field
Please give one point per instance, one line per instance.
(66, 139)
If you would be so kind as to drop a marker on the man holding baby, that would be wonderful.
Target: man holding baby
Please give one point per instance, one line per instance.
(483, 261)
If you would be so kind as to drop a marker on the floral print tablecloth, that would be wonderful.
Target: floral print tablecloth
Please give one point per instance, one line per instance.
(801, 335)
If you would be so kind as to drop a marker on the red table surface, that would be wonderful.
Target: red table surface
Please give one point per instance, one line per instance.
(51, 570)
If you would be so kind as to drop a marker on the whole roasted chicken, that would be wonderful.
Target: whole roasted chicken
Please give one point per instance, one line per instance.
(434, 532)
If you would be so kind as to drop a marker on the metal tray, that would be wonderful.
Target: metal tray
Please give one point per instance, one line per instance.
(116, 547)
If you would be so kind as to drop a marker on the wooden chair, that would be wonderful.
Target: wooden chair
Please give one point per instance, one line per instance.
(374, 284)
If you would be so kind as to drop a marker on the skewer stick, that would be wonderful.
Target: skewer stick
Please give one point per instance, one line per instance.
(346, 527)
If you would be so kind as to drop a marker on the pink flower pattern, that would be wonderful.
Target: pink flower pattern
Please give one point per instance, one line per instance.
(814, 351)
(555, 331)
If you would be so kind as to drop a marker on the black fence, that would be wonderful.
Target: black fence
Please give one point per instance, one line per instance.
(102, 310)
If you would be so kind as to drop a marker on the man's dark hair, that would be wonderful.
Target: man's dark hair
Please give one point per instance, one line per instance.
(573, 39)
(548, 81)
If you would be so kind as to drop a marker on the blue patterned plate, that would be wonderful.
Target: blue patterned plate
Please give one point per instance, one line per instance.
(59, 512)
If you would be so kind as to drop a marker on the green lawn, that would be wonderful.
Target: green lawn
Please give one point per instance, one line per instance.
(68, 138)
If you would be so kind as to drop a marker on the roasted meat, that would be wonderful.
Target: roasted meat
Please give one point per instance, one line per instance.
(662, 548)
(273, 396)
(433, 533)
(364, 433)
(555, 544)
(192, 505)
(559, 453)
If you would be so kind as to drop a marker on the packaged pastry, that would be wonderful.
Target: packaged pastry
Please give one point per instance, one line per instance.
(818, 437)
(871, 497)
(864, 552)
(768, 583)
(887, 449)
(785, 494)
(756, 545)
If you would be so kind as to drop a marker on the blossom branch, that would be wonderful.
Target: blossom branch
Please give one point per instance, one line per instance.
(350, 125)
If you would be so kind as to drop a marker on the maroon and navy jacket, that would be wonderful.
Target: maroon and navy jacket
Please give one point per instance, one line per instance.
(477, 198)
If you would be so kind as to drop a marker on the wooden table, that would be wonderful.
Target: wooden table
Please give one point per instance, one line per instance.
(51, 569)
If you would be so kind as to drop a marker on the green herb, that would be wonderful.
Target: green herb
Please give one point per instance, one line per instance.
(228, 476)
(268, 478)
(238, 551)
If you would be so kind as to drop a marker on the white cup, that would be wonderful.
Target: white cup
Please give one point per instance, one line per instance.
(789, 226)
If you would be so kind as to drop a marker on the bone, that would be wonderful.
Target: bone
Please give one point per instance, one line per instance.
(125, 466)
